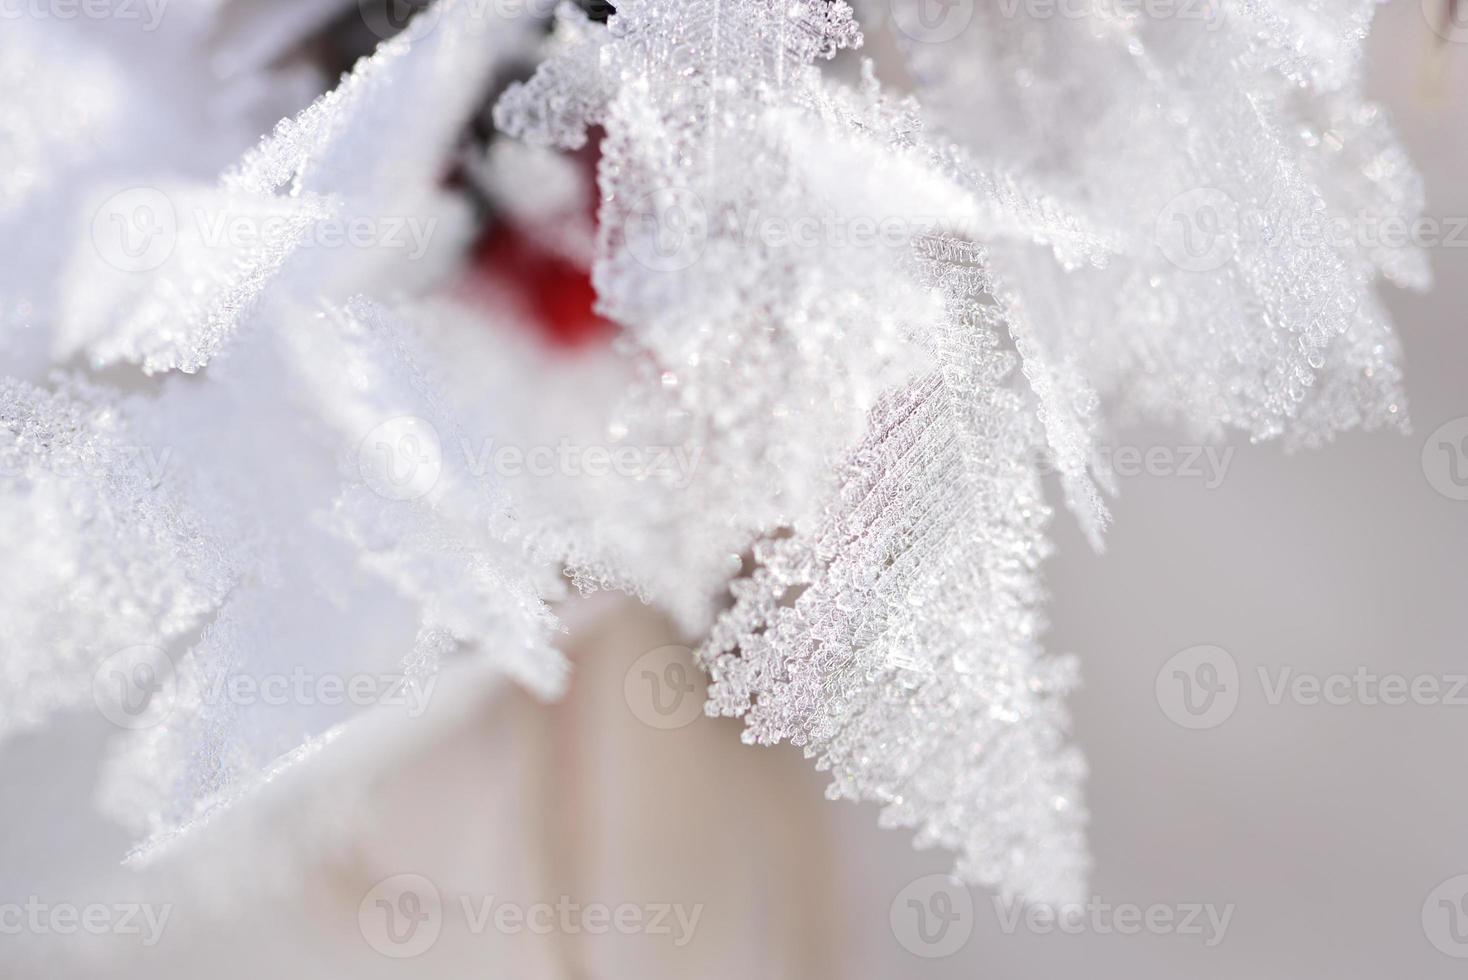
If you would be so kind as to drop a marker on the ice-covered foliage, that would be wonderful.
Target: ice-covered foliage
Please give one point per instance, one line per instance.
(856, 324)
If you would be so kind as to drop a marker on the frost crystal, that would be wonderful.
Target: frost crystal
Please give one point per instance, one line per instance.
(1248, 178)
(895, 634)
(1156, 253)
(104, 554)
(855, 327)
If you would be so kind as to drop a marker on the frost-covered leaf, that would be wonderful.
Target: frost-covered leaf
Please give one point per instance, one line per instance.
(104, 554)
(896, 634)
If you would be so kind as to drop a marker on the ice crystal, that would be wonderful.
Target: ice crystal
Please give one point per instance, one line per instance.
(364, 155)
(855, 327)
(1238, 159)
(1140, 140)
(895, 633)
(451, 549)
(104, 553)
(327, 511)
